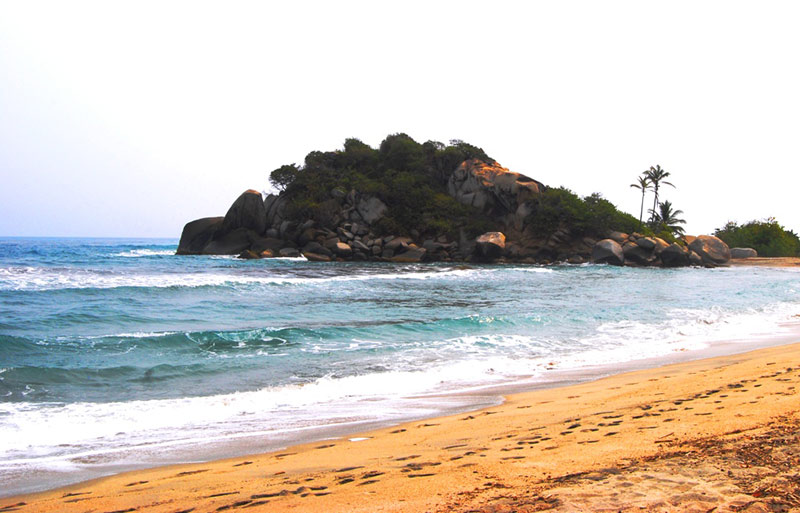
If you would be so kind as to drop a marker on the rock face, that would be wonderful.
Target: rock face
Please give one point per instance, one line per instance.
(246, 212)
(492, 188)
(608, 251)
(712, 250)
(196, 234)
(490, 245)
(371, 209)
(743, 253)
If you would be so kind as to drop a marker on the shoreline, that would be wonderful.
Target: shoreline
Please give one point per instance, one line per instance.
(533, 437)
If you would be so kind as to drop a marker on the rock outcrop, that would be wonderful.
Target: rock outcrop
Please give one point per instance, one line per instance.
(711, 249)
(636, 250)
(490, 245)
(494, 189)
(608, 251)
(246, 212)
(743, 253)
(197, 234)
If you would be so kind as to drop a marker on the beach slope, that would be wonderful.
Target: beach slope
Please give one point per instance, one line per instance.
(719, 434)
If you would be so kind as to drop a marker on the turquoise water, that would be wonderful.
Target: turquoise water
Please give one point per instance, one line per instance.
(116, 354)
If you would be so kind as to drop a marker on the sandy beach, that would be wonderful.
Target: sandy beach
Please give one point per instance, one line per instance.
(718, 434)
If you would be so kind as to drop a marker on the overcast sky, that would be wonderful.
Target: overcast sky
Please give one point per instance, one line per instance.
(132, 118)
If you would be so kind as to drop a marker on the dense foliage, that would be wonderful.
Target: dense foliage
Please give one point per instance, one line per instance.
(767, 237)
(408, 176)
(592, 215)
(411, 178)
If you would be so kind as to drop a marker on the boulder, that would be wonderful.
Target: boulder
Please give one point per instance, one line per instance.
(260, 244)
(661, 245)
(711, 249)
(274, 209)
(371, 209)
(608, 251)
(342, 249)
(490, 245)
(695, 259)
(648, 243)
(318, 249)
(491, 187)
(230, 243)
(618, 237)
(289, 253)
(397, 244)
(316, 257)
(196, 234)
(246, 212)
(637, 254)
(249, 254)
(743, 253)
(413, 255)
(674, 255)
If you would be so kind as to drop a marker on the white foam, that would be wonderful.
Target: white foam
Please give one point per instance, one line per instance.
(37, 278)
(136, 253)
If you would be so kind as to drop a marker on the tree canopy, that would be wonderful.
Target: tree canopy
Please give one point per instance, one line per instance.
(767, 237)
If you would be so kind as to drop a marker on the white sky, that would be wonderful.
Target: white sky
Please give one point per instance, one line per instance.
(132, 118)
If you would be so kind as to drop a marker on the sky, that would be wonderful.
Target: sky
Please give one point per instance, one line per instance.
(132, 118)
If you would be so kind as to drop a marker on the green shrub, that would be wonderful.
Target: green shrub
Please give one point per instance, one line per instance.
(767, 237)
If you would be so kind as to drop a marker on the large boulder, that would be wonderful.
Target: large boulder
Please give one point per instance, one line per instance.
(491, 187)
(490, 245)
(641, 255)
(412, 256)
(230, 243)
(608, 251)
(743, 253)
(246, 212)
(675, 255)
(196, 234)
(371, 209)
(711, 249)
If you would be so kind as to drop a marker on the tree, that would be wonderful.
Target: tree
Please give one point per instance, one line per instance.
(667, 219)
(656, 175)
(643, 184)
(767, 237)
(283, 177)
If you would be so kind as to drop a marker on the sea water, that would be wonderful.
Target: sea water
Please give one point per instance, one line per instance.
(117, 354)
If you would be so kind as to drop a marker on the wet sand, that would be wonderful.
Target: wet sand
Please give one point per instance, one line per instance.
(767, 262)
(720, 434)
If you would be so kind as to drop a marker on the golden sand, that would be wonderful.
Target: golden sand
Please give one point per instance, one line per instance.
(719, 434)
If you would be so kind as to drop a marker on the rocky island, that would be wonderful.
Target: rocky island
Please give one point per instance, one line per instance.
(410, 202)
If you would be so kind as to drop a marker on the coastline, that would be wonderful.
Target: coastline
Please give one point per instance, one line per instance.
(601, 430)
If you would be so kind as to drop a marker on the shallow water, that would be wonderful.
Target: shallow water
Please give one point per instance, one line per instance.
(116, 354)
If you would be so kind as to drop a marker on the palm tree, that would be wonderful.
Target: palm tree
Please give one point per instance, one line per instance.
(643, 184)
(668, 218)
(656, 175)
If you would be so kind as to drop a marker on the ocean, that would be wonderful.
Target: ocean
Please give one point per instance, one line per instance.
(117, 354)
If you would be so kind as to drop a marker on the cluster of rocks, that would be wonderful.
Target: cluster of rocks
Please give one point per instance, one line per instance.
(638, 250)
(343, 228)
(253, 228)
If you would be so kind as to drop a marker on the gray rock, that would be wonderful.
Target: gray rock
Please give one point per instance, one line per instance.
(360, 246)
(371, 209)
(316, 257)
(648, 243)
(317, 248)
(196, 234)
(743, 253)
(695, 259)
(249, 254)
(489, 186)
(343, 249)
(618, 237)
(289, 252)
(231, 243)
(674, 255)
(387, 253)
(411, 256)
(711, 249)
(397, 243)
(260, 244)
(490, 245)
(637, 254)
(608, 251)
(246, 212)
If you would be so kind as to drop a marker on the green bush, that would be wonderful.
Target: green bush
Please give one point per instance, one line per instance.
(767, 237)
(560, 208)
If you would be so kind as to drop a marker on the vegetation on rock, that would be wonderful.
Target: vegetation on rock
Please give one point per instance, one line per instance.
(767, 237)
